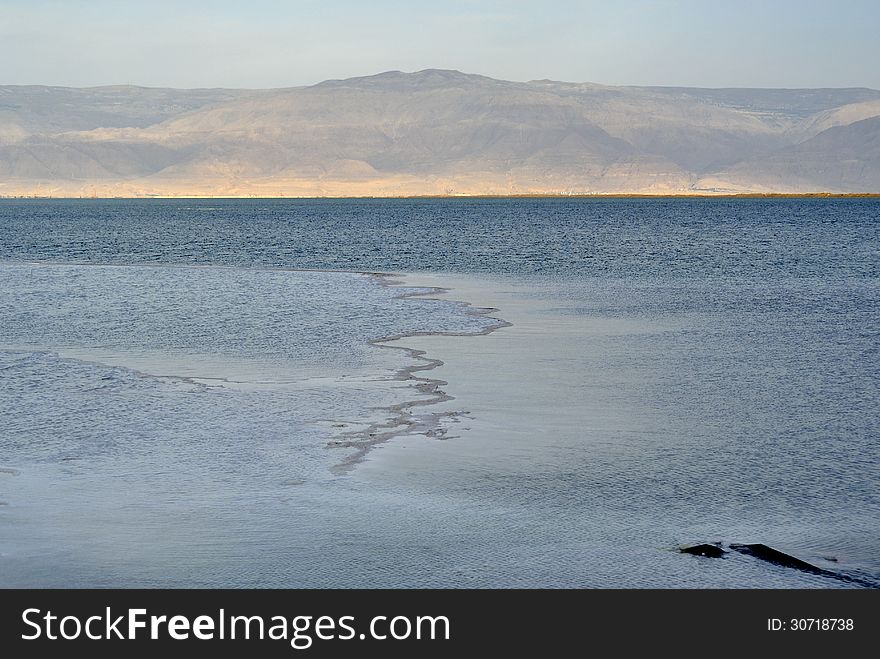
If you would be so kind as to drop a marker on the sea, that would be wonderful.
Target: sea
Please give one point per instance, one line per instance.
(457, 392)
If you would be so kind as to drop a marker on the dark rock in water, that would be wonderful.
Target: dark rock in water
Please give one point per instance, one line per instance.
(777, 557)
(709, 551)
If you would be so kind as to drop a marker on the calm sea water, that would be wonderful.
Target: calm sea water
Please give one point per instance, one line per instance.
(172, 372)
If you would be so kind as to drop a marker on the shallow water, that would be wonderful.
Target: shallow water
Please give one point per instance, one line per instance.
(677, 371)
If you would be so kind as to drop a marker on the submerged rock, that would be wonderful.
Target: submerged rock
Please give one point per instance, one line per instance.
(707, 550)
(777, 557)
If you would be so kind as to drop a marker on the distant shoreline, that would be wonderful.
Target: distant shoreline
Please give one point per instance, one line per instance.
(616, 195)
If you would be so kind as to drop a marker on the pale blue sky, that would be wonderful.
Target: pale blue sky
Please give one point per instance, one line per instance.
(272, 43)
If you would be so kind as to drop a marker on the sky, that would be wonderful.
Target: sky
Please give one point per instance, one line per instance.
(276, 43)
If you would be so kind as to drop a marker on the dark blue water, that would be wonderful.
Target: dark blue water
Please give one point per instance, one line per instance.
(724, 238)
(755, 369)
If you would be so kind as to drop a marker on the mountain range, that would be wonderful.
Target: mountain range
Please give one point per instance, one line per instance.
(436, 132)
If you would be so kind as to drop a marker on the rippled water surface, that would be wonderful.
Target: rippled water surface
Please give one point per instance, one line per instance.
(173, 375)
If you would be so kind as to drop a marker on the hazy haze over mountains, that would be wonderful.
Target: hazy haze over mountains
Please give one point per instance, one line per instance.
(436, 132)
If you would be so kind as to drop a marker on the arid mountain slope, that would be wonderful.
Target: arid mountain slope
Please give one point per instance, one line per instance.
(436, 132)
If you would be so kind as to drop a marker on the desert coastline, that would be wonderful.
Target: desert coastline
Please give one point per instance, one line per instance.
(536, 195)
(465, 320)
(503, 326)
